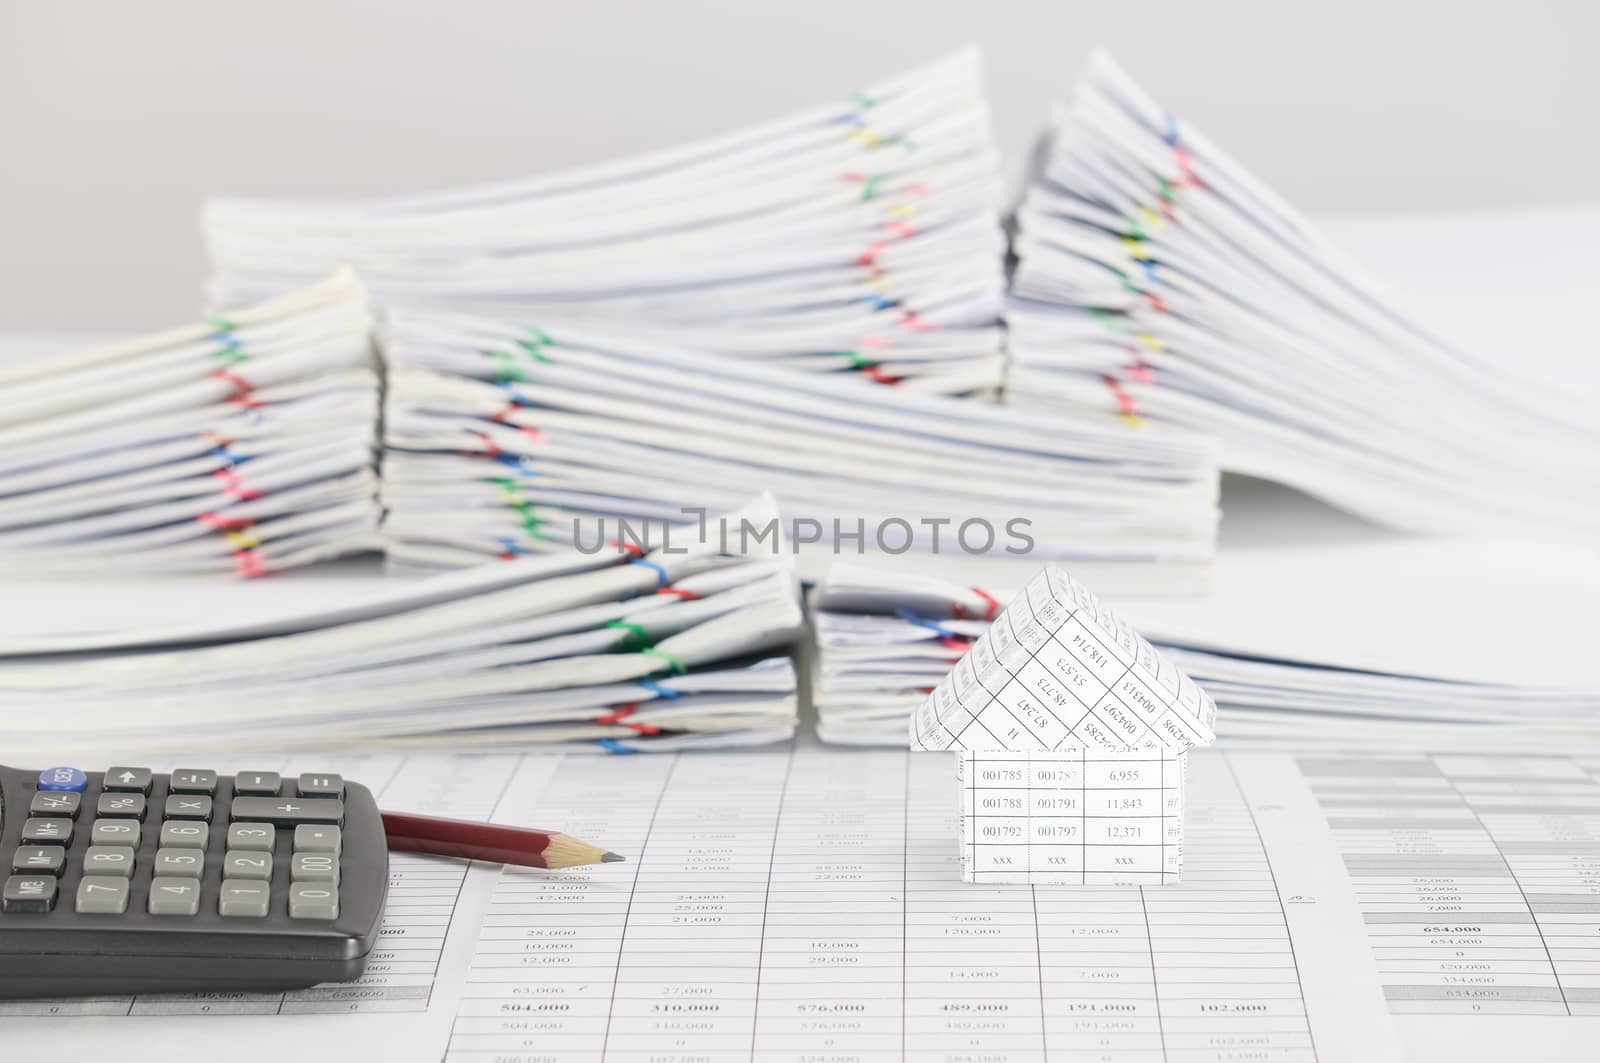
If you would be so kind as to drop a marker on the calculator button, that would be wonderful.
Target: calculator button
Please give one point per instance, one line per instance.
(25, 894)
(179, 863)
(70, 779)
(315, 838)
(193, 781)
(58, 803)
(288, 812)
(251, 837)
(184, 834)
(312, 901)
(102, 895)
(321, 785)
(134, 779)
(314, 867)
(108, 860)
(248, 899)
(114, 832)
(46, 831)
(120, 805)
(188, 806)
(257, 783)
(254, 866)
(174, 896)
(39, 860)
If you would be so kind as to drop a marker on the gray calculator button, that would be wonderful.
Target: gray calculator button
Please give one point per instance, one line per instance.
(184, 834)
(188, 806)
(255, 866)
(55, 803)
(46, 831)
(102, 895)
(257, 783)
(289, 811)
(321, 784)
(33, 894)
(255, 837)
(249, 899)
(315, 867)
(313, 901)
(39, 860)
(135, 779)
(114, 832)
(120, 805)
(108, 860)
(174, 896)
(316, 838)
(179, 863)
(193, 781)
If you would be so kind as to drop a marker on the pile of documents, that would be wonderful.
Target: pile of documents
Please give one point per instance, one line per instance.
(501, 441)
(862, 236)
(1159, 282)
(626, 649)
(242, 444)
(884, 638)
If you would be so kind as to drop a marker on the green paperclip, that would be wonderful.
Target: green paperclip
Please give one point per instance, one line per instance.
(635, 639)
(510, 368)
(530, 520)
(676, 665)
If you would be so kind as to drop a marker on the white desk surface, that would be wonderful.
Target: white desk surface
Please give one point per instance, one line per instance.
(1293, 576)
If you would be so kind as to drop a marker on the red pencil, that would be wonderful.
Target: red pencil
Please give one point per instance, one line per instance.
(485, 841)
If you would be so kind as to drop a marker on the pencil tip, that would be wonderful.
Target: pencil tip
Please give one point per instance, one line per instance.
(612, 858)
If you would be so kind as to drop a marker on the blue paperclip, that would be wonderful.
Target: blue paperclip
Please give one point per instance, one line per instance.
(922, 621)
(661, 574)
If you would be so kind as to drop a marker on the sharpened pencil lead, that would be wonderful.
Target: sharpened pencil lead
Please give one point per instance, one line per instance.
(612, 858)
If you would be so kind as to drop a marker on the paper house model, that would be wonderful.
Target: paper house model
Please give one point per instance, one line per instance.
(1072, 733)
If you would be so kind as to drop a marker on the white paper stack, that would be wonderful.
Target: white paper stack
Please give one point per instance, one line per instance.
(884, 638)
(862, 236)
(500, 441)
(617, 651)
(1159, 282)
(241, 444)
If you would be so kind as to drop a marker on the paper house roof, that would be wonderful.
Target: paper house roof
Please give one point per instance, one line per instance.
(1058, 670)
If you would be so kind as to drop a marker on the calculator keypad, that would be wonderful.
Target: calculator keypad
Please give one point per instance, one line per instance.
(41, 831)
(48, 803)
(120, 805)
(257, 784)
(29, 893)
(244, 899)
(188, 806)
(192, 781)
(103, 895)
(136, 780)
(39, 860)
(174, 896)
(254, 811)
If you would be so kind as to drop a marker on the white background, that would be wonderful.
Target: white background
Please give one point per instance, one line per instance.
(116, 119)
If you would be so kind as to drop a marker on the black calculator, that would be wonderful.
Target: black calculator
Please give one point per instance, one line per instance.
(126, 881)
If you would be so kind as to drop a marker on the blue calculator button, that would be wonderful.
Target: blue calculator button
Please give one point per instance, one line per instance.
(63, 779)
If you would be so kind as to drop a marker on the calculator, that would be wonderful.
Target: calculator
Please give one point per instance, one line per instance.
(127, 881)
